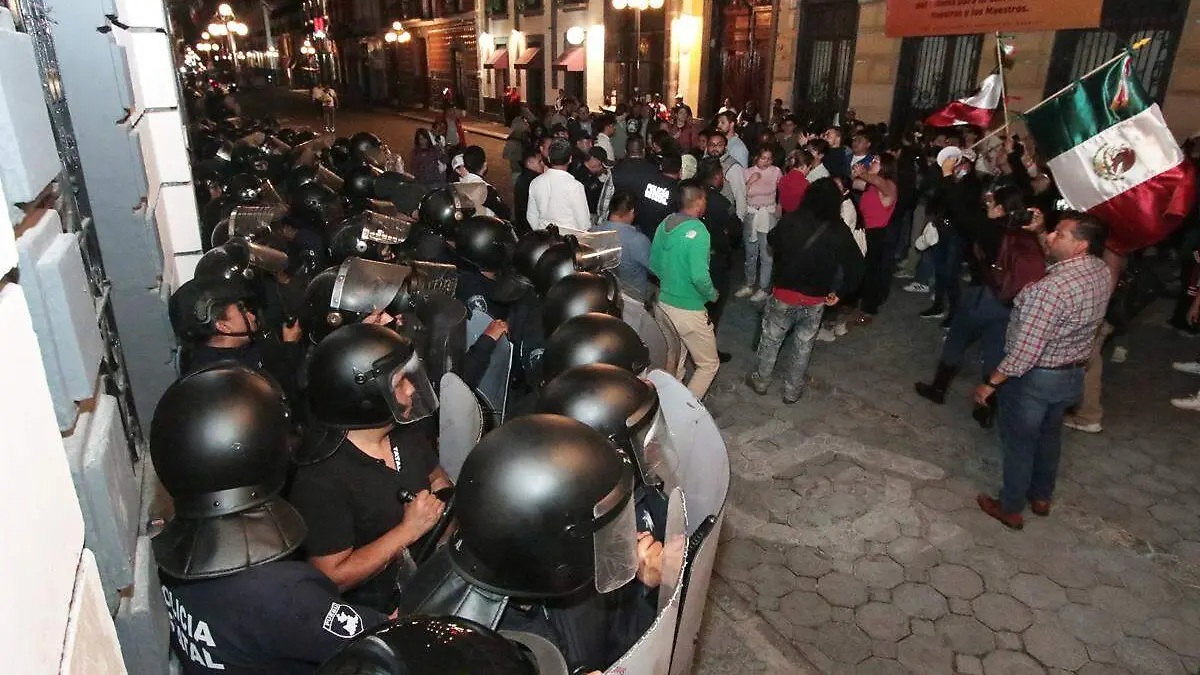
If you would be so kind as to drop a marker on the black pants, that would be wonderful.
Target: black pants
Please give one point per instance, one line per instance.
(720, 280)
(880, 261)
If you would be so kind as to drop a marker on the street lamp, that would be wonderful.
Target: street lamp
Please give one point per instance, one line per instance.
(638, 6)
(227, 26)
(397, 35)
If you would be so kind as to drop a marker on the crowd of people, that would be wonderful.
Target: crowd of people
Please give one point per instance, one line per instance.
(339, 279)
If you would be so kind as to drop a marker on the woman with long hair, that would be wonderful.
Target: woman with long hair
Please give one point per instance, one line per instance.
(877, 206)
(428, 160)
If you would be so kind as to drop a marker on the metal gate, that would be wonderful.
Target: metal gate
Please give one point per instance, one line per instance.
(934, 71)
(1122, 23)
(825, 64)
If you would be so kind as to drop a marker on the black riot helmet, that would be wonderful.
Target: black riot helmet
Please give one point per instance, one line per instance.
(611, 400)
(319, 318)
(439, 210)
(359, 182)
(556, 262)
(366, 147)
(316, 206)
(576, 527)
(531, 247)
(449, 645)
(594, 338)
(580, 293)
(245, 187)
(365, 376)
(485, 242)
(300, 176)
(197, 305)
(219, 443)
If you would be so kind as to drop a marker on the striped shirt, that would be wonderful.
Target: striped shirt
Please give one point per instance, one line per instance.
(1054, 320)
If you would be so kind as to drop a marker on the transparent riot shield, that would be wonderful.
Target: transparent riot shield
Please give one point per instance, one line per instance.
(460, 423)
(656, 330)
(651, 654)
(702, 470)
(493, 387)
(329, 179)
(306, 153)
(601, 251)
(270, 196)
(254, 221)
(261, 256)
(381, 229)
(431, 277)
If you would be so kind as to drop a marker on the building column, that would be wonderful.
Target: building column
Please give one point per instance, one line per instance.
(686, 34)
(876, 58)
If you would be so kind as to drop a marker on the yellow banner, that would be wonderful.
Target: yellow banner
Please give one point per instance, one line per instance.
(909, 18)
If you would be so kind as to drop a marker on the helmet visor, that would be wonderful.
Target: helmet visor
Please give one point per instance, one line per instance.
(329, 179)
(366, 286)
(614, 542)
(409, 392)
(658, 454)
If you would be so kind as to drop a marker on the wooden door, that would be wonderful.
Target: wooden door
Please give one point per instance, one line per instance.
(744, 52)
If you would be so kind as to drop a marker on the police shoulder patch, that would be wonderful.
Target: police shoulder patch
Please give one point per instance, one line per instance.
(691, 235)
(342, 621)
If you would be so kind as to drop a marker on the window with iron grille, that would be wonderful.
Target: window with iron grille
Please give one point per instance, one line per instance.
(1123, 22)
(825, 61)
(932, 72)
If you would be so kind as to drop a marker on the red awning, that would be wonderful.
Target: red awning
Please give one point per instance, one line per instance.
(573, 60)
(531, 59)
(498, 60)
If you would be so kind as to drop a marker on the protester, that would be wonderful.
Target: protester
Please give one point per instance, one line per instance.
(634, 269)
(877, 206)
(679, 258)
(531, 167)
(762, 185)
(428, 160)
(815, 251)
(727, 125)
(794, 184)
(555, 197)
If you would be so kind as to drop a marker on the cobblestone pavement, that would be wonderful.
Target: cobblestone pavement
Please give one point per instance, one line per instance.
(853, 539)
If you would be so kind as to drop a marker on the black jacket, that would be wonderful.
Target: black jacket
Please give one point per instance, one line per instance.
(521, 200)
(809, 254)
(720, 219)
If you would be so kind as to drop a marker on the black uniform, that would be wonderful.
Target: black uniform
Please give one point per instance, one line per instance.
(280, 360)
(632, 175)
(281, 618)
(351, 499)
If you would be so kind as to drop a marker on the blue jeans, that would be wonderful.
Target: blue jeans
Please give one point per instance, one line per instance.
(778, 320)
(947, 262)
(1030, 424)
(979, 316)
(756, 252)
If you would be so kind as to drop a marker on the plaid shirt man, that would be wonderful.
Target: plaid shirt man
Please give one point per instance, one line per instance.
(1054, 320)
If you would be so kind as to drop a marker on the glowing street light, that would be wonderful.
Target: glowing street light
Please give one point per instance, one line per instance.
(397, 35)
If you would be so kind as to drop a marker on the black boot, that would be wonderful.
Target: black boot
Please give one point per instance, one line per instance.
(936, 392)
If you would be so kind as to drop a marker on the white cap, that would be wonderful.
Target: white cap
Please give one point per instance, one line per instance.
(949, 152)
(457, 162)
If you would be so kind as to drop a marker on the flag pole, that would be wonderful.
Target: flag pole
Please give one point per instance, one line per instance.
(1003, 82)
(1137, 45)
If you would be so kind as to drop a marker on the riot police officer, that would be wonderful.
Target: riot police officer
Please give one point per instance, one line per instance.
(369, 470)
(237, 604)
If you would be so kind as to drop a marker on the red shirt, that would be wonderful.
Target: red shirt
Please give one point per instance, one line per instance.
(796, 298)
(792, 187)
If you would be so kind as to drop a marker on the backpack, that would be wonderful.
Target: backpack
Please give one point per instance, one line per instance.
(1020, 262)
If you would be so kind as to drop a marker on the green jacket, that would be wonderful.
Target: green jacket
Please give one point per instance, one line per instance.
(679, 258)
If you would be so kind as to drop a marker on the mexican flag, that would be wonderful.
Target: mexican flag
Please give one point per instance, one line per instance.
(1114, 156)
(976, 109)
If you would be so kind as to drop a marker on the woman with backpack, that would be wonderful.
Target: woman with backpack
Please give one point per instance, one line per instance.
(1007, 256)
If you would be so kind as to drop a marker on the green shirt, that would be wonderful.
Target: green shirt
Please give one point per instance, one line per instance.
(679, 258)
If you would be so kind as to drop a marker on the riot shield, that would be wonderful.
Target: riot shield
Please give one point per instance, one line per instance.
(261, 256)
(656, 330)
(701, 466)
(431, 277)
(252, 222)
(443, 327)
(493, 387)
(381, 229)
(329, 179)
(602, 251)
(460, 423)
(651, 654)
(366, 286)
(306, 153)
(270, 196)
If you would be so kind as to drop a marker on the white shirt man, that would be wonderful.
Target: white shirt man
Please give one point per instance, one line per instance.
(555, 197)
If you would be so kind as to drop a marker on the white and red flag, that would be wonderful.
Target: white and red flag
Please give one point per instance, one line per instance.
(976, 109)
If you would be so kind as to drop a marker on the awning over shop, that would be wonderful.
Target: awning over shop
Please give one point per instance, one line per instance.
(498, 60)
(573, 60)
(531, 59)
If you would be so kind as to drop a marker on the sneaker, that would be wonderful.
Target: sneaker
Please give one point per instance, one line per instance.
(791, 397)
(1189, 403)
(935, 312)
(916, 287)
(759, 296)
(840, 329)
(744, 292)
(904, 274)
(1079, 425)
(1120, 354)
(826, 335)
(1189, 367)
